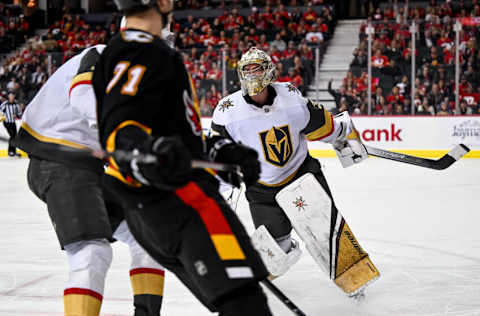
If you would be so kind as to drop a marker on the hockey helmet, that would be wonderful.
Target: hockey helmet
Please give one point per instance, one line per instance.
(130, 4)
(254, 79)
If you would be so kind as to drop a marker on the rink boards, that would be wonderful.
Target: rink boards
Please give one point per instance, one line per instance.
(425, 136)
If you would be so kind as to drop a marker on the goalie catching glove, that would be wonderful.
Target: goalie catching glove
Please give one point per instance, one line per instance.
(226, 151)
(173, 166)
(348, 145)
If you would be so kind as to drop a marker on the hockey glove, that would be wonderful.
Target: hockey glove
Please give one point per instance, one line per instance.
(173, 166)
(348, 145)
(226, 151)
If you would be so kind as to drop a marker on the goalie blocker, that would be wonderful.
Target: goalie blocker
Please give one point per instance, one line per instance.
(326, 234)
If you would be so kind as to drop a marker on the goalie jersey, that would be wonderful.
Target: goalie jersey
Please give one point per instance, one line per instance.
(279, 132)
(63, 114)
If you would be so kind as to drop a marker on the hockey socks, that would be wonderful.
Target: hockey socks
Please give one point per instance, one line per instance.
(78, 301)
(147, 286)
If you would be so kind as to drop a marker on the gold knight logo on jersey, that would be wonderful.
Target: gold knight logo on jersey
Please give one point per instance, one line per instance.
(277, 145)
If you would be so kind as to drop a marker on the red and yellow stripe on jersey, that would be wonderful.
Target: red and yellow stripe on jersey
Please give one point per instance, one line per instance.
(223, 239)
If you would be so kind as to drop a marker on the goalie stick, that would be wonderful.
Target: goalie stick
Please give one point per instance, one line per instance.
(282, 297)
(442, 163)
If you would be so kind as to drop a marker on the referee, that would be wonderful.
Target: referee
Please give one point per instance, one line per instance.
(11, 111)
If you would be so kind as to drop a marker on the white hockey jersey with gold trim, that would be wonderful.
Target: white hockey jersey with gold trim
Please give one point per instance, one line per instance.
(64, 109)
(279, 132)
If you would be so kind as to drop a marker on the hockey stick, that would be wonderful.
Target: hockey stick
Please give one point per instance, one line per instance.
(127, 156)
(282, 297)
(442, 163)
(121, 155)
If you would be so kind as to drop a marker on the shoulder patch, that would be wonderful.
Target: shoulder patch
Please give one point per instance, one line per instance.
(291, 88)
(225, 105)
(316, 105)
(88, 61)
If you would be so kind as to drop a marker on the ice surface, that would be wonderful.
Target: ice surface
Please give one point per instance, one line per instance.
(420, 227)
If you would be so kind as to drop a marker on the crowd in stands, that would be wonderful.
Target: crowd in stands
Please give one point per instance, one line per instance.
(25, 69)
(289, 36)
(14, 31)
(14, 28)
(228, 4)
(434, 56)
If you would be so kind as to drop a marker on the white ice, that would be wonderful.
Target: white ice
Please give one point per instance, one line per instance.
(419, 226)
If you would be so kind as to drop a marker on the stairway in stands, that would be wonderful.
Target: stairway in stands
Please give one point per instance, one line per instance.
(336, 61)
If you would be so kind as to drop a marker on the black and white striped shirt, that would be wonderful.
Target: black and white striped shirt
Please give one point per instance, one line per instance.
(11, 111)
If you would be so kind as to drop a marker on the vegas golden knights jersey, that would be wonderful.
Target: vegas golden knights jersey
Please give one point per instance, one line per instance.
(279, 132)
(62, 114)
(142, 87)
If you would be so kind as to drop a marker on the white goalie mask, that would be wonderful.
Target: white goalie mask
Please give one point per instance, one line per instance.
(254, 79)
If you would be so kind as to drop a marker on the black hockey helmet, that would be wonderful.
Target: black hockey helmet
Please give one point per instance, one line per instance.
(131, 4)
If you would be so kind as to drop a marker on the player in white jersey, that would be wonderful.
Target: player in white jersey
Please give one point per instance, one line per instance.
(86, 219)
(277, 121)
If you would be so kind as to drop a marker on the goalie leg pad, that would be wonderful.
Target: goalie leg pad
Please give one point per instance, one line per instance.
(327, 237)
(275, 259)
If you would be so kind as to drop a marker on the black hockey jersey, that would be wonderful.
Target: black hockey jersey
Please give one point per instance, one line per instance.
(142, 87)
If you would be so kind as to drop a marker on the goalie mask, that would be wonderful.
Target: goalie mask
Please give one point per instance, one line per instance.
(255, 71)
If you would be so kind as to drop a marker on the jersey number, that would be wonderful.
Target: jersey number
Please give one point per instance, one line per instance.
(135, 74)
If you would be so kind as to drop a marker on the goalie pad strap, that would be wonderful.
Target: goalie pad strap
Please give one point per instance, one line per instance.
(275, 259)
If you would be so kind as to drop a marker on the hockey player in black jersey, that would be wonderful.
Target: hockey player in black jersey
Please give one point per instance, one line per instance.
(146, 103)
(60, 120)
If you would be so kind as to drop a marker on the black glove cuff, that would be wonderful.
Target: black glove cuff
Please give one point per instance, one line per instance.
(213, 153)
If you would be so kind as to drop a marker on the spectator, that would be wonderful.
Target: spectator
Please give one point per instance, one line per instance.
(379, 60)
(214, 97)
(403, 86)
(339, 95)
(464, 108)
(296, 79)
(398, 109)
(360, 58)
(444, 109)
(378, 94)
(37, 77)
(290, 52)
(214, 73)
(315, 35)
(12, 84)
(36, 42)
(422, 111)
(472, 98)
(278, 43)
(310, 15)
